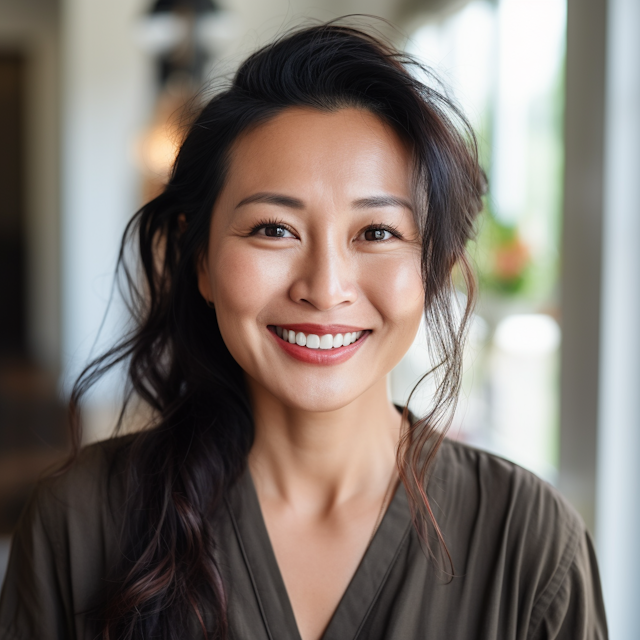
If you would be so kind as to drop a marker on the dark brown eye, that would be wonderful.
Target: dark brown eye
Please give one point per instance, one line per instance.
(376, 234)
(275, 231)
(272, 229)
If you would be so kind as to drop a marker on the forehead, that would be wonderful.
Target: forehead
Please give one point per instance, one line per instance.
(349, 149)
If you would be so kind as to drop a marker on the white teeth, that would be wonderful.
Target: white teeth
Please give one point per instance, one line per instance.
(313, 341)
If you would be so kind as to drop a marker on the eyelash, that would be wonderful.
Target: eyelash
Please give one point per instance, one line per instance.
(272, 222)
(383, 227)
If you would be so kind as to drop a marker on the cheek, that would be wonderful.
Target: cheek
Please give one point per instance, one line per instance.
(395, 288)
(239, 281)
(244, 283)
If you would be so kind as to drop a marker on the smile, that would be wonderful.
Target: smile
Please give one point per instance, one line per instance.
(319, 344)
(314, 341)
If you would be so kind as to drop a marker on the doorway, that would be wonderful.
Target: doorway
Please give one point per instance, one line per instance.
(12, 228)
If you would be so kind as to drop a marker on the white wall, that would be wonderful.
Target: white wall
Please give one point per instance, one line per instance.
(260, 21)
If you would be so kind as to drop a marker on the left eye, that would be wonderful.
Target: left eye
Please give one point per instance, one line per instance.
(275, 231)
(375, 235)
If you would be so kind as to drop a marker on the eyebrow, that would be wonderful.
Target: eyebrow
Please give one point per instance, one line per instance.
(273, 198)
(374, 202)
(377, 202)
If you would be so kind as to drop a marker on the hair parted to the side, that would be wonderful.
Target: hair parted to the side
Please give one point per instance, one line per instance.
(180, 468)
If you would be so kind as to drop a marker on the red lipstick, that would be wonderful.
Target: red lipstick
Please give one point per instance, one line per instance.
(335, 355)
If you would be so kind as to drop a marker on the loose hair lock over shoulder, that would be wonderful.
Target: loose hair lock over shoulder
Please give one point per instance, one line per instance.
(181, 467)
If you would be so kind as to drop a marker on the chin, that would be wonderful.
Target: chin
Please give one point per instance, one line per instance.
(316, 399)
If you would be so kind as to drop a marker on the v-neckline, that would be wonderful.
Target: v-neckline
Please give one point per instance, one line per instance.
(268, 584)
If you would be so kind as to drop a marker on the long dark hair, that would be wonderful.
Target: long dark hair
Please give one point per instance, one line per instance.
(181, 466)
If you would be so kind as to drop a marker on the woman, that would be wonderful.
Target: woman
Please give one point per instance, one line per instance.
(316, 210)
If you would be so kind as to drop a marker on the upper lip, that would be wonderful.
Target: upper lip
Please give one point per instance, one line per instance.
(320, 329)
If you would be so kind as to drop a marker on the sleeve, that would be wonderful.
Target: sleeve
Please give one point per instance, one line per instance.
(574, 608)
(32, 604)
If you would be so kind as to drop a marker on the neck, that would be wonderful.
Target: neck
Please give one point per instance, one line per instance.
(316, 460)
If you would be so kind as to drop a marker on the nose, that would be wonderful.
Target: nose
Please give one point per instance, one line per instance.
(326, 277)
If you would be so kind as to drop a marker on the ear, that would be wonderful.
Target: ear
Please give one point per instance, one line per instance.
(204, 281)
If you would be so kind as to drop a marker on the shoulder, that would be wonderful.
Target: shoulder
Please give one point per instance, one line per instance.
(522, 557)
(496, 488)
(65, 544)
(86, 500)
(503, 520)
(97, 471)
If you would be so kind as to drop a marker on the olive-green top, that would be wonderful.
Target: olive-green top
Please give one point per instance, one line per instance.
(524, 563)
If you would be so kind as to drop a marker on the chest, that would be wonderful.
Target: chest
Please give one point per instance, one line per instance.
(395, 591)
(335, 575)
(394, 594)
(317, 560)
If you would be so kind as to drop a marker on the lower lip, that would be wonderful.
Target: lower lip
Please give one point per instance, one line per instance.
(336, 355)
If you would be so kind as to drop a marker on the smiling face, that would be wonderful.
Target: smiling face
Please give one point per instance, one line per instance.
(313, 245)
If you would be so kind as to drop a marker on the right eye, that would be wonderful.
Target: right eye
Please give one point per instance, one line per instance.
(275, 231)
(272, 230)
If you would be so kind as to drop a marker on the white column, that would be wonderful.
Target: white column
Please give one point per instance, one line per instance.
(618, 523)
(106, 86)
(581, 251)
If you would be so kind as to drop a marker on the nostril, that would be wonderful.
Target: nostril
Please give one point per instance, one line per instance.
(319, 295)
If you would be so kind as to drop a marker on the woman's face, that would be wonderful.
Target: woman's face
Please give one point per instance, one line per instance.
(313, 240)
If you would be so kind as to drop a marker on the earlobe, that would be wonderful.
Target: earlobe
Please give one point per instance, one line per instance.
(203, 282)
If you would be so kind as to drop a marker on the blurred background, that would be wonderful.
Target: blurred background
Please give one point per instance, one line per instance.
(90, 99)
